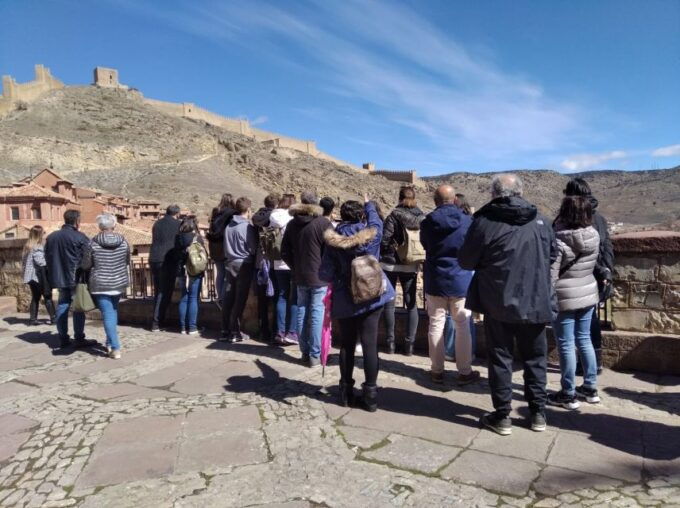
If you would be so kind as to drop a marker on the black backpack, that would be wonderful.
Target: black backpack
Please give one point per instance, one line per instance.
(218, 225)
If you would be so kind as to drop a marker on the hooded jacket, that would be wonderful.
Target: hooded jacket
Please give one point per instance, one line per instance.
(302, 244)
(393, 234)
(576, 288)
(63, 253)
(107, 258)
(261, 217)
(215, 236)
(240, 240)
(442, 234)
(348, 241)
(280, 219)
(510, 246)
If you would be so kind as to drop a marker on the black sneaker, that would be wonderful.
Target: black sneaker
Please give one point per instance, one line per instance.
(563, 400)
(538, 423)
(499, 424)
(590, 394)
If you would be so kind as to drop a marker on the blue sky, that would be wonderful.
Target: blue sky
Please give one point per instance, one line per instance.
(437, 86)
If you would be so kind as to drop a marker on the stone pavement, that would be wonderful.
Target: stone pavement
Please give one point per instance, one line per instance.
(189, 422)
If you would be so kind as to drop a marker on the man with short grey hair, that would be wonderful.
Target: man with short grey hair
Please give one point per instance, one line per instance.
(510, 246)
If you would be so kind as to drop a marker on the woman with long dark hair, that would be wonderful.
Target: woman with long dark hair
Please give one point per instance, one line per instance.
(190, 284)
(34, 269)
(219, 218)
(576, 296)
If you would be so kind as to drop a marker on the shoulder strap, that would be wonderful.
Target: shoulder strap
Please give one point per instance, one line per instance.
(571, 263)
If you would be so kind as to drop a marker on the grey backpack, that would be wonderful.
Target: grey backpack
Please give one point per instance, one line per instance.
(368, 281)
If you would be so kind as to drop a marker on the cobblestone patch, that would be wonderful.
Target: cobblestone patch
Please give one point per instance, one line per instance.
(185, 422)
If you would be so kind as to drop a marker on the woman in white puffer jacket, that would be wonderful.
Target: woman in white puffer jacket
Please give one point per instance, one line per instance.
(577, 295)
(286, 292)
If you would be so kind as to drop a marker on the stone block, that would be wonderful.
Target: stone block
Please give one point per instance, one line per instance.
(638, 269)
(651, 353)
(636, 320)
(555, 480)
(414, 454)
(649, 296)
(664, 322)
(620, 295)
(669, 269)
(8, 305)
(671, 297)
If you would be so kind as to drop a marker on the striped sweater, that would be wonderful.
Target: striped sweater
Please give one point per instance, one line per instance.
(107, 258)
(35, 258)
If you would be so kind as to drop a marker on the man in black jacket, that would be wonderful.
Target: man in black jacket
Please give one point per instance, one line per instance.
(261, 222)
(164, 263)
(63, 253)
(302, 249)
(603, 268)
(510, 247)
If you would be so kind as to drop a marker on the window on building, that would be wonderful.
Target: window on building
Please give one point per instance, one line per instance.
(15, 212)
(36, 214)
(9, 235)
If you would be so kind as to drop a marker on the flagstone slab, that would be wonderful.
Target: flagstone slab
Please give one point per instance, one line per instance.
(363, 438)
(154, 446)
(524, 444)
(414, 454)
(494, 472)
(125, 391)
(10, 444)
(555, 480)
(170, 375)
(11, 424)
(13, 389)
(607, 458)
(50, 377)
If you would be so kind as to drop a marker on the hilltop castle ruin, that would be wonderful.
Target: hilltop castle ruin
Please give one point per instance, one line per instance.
(18, 95)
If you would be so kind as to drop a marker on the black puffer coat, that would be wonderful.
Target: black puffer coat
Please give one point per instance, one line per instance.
(605, 261)
(393, 231)
(63, 252)
(511, 247)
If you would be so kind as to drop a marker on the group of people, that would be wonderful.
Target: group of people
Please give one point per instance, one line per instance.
(507, 262)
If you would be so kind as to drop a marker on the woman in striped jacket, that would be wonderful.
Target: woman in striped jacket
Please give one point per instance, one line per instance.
(107, 258)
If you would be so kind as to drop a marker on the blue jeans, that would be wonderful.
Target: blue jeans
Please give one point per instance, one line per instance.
(286, 303)
(572, 329)
(450, 336)
(188, 302)
(108, 306)
(63, 306)
(310, 318)
(219, 280)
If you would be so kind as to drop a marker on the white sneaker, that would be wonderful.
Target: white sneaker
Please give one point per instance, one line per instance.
(193, 332)
(115, 354)
(358, 350)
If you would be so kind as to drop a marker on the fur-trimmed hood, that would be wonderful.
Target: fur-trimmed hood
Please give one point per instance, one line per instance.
(303, 209)
(359, 239)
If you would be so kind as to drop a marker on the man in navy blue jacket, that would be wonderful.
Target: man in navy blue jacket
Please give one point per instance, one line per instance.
(446, 283)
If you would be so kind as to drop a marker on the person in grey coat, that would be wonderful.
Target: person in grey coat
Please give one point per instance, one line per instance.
(576, 295)
(107, 258)
(34, 269)
(240, 245)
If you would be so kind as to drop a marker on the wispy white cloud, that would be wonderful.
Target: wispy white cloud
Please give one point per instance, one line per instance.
(581, 162)
(667, 151)
(259, 120)
(389, 56)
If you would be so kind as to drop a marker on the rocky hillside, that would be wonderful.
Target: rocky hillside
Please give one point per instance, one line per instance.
(111, 139)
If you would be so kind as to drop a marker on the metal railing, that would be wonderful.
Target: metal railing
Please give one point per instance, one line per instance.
(141, 287)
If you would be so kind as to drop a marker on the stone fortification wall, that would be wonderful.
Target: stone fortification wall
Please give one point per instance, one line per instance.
(13, 92)
(397, 176)
(240, 126)
(647, 282)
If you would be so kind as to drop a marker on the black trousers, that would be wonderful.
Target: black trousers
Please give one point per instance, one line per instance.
(38, 292)
(532, 347)
(164, 278)
(264, 303)
(364, 328)
(239, 278)
(408, 282)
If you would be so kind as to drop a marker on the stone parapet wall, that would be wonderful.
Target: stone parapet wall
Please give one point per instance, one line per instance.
(646, 296)
(11, 276)
(13, 92)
